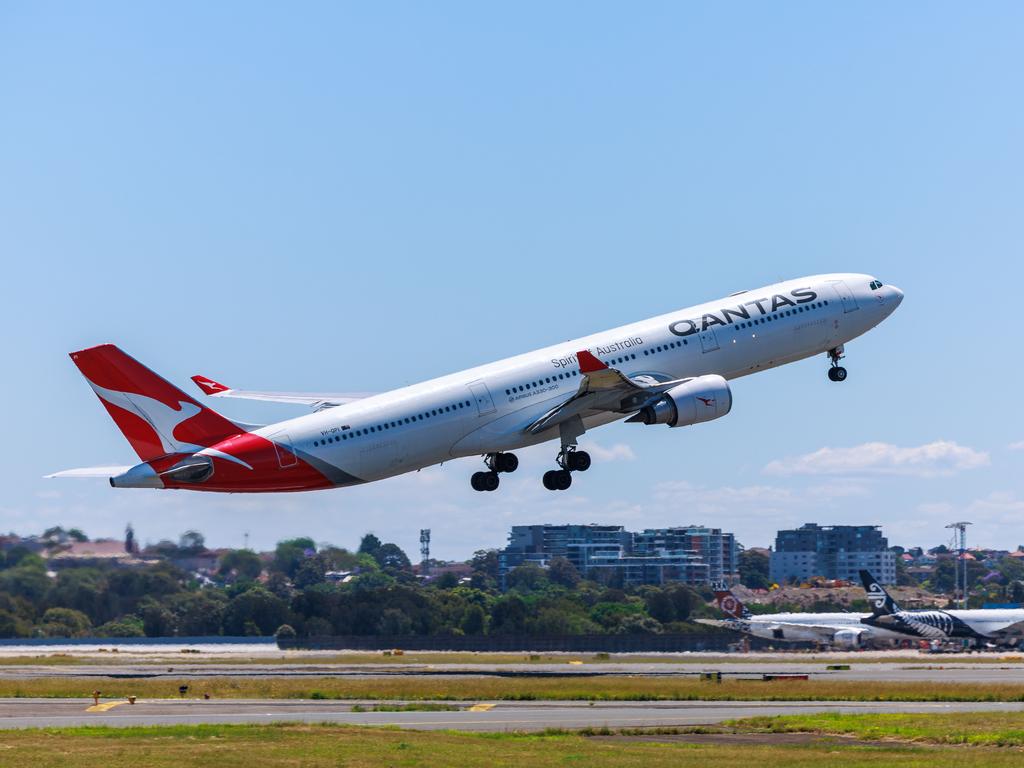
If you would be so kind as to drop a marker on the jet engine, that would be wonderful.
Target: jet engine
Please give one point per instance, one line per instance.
(694, 401)
(847, 638)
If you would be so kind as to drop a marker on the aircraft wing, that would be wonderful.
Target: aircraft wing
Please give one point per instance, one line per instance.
(1011, 630)
(601, 389)
(104, 472)
(318, 401)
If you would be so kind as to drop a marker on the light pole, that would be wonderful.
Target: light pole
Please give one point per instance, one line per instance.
(960, 541)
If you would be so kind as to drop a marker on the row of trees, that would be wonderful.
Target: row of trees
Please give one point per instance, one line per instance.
(325, 590)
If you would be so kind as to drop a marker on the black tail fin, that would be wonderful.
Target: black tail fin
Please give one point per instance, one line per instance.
(881, 601)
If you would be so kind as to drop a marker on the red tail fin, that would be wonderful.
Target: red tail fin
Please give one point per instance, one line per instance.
(729, 604)
(155, 416)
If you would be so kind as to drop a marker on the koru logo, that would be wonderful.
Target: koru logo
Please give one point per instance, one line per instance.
(876, 596)
(729, 605)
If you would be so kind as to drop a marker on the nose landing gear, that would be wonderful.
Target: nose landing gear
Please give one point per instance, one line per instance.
(836, 372)
(496, 463)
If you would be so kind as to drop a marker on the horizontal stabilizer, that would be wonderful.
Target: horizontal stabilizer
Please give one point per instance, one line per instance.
(318, 401)
(104, 472)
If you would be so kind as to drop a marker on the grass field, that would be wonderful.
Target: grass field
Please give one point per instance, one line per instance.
(1002, 729)
(576, 688)
(415, 657)
(315, 746)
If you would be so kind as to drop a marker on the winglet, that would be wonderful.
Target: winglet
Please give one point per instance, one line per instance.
(589, 363)
(209, 386)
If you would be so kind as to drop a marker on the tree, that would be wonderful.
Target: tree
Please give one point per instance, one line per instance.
(290, 553)
(508, 617)
(660, 605)
(124, 626)
(563, 572)
(473, 620)
(75, 534)
(391, 556)
(157, 619)
(27, 579)
(753, 568)
(636, 624)
(1016, 592)
(527, 577)
(447, 580)
(256, 607)
(485, 561)
(369, 544)
(65, 622)
(339, 559)
(394, 622)
(191, 543)
(242, 564)
(12, 625)
(312, 571)
(197, 613)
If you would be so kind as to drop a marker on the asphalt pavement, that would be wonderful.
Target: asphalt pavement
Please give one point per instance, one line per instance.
(483, 716)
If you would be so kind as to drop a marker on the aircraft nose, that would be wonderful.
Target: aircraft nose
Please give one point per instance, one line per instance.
(897, 294)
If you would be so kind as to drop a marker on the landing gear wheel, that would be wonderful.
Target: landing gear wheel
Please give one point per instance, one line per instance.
(837, 374)
(484, 481)
(549, 480)
(557, 479)
(506, 462)
(578, 461)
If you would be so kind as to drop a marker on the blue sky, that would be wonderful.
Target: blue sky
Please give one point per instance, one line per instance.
(356, 197)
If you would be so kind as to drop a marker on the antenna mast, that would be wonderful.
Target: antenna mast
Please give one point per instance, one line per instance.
(960, 544)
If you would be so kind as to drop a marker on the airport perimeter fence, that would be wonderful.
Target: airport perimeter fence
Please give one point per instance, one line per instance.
(522, 643)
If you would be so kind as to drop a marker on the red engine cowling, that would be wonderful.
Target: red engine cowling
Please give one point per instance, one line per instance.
(700, 399)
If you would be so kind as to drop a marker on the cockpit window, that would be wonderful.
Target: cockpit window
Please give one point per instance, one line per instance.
(875, 285)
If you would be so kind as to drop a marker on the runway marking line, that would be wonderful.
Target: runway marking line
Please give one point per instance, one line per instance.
(105, 706)
(481, 708)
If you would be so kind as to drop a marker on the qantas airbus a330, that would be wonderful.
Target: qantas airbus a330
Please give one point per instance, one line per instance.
(672, 369)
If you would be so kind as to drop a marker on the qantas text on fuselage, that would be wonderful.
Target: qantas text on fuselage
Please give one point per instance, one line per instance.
(672, 369)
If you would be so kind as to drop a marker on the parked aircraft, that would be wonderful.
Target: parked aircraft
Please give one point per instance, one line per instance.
(672, 369)
(841, 630)
(1002, 626)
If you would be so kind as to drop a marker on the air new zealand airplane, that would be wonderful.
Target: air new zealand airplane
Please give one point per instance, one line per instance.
(1002, 626)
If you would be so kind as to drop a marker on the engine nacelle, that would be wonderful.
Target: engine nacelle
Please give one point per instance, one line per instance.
(847, 638)
(700, 399)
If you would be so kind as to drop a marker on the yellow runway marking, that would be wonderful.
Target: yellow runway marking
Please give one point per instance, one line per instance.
(105, 706)
(481, 708)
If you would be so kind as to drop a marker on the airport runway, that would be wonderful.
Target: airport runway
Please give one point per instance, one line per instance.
(922, 669)
(489, 716)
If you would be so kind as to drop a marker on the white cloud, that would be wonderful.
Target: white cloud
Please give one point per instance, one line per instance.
(615, 452)
(1018, 446)
(942, 457)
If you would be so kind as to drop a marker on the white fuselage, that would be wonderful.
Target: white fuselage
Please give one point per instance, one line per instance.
(486, 409)
(839, 628)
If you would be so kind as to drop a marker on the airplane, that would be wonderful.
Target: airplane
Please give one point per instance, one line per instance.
(672, 370)
(1000, 626)
(841, 630)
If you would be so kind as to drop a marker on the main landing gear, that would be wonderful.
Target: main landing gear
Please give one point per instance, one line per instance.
(496, 462)
(570, 460)
(836, 372)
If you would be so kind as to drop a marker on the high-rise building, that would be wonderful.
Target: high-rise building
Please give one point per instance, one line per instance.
(832, 552)
(611, 554)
